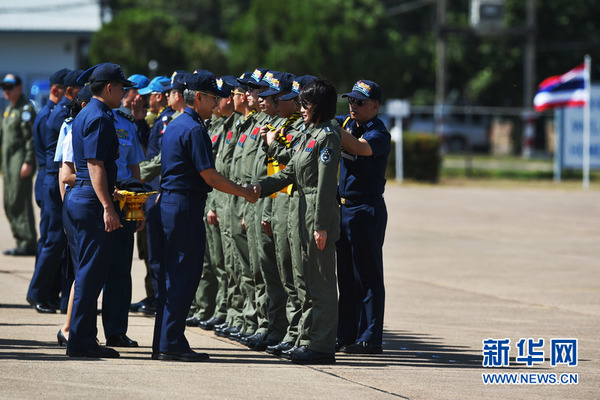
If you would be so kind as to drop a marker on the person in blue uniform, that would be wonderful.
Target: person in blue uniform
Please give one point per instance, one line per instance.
(366, 147)
(94, 218)
(48, 277)
(188, 173)
(156, 92)
(57, 91)
(116, 297)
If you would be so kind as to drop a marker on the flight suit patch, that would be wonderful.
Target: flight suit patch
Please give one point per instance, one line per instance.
(326, 155)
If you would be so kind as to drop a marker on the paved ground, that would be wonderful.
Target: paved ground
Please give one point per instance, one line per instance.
(463, 264)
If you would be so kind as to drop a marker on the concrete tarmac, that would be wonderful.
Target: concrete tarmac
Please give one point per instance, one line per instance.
(462, 265)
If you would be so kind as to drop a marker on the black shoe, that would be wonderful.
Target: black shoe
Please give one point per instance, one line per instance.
(18, 251)
(41, 307)
(263, 344)
(339, 343)
(192, 321)
(189, 356)
(361, 348)
(210, 324)
(135, 307)
(237, 336)
(252, 340)
(99, 352)
(313, 357)
(226, 331)
(220, 329)
(277, 349)
(62, 340)
(296, 349)
(149, 308)
(120, 341)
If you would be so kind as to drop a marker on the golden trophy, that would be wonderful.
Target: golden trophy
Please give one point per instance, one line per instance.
(132, 203)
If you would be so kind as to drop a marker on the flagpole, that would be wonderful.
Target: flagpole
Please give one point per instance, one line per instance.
(586, 122)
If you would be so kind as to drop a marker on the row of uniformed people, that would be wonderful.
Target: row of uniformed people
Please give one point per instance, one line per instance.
(265, 260)
(266, 304)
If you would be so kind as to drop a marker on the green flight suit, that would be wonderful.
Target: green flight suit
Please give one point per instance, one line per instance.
(234, 301)
(290, 267)
(244, 238)
(271, 298)
(16, 134)
(313, 169)
(211, 292)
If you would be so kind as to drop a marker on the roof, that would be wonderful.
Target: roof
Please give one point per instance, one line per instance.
(50, 15)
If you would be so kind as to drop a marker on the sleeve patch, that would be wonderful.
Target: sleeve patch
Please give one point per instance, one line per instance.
(326, 155)
(25, 116)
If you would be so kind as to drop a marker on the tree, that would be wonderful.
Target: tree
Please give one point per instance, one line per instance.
(338, 39)
(136, 36)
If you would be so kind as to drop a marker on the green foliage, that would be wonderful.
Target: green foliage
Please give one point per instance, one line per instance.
(338, 39)
(136, 36)
(421, 157)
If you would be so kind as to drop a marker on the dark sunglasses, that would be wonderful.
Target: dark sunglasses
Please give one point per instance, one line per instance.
(358, 102)
(7, 88)
(304, 104)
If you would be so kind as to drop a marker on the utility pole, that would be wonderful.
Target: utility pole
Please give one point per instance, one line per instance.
(440, 81)
(528, 80)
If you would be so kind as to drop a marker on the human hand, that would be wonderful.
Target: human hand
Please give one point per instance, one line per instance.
(266, 227)
(111, 219)
(250, 194)
(320, 239)
(26, 170)
(272, 136)
(139, 225)
(211, 218)
(264, 131)
(138, 108)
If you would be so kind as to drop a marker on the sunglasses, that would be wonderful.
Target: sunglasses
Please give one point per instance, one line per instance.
(7, 88)
(235, 92)
(304, 104)
(357, 102)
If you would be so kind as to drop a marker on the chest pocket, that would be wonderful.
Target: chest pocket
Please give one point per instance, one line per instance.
(124, 139)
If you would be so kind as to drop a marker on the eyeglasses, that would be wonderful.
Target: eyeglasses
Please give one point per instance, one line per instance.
(235, 92)
(304, 104)
(7, 88)
(358, 102)
(214, 97)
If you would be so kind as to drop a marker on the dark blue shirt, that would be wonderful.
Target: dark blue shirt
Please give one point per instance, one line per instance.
(156, 134)
(55, 121)
(186, 152)
(95, 137)
(39, 133)
(363, 177)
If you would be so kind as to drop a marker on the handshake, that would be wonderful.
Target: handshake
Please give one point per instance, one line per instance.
(252, 192)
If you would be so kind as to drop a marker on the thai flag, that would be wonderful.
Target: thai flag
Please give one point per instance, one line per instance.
(567, 90)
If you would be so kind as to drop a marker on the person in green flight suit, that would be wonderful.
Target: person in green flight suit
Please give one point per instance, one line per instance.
(313, 171)
(18, 166)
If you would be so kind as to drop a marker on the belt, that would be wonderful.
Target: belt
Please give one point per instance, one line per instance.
(83, 182)
(358, 201)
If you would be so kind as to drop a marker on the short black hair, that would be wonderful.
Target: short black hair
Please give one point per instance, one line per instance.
(74, 107)
(322, 94)
(96, 87)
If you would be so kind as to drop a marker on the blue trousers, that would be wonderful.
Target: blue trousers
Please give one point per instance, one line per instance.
(47, 279)
(117, 289)
(360, 272)
(94, 248)
(38, 190)
(184, 243)
(154, 239)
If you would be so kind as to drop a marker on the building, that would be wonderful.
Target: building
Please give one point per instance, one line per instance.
(38, 37)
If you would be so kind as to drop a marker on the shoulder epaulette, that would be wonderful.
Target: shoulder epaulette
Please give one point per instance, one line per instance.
(125, 115)
(346, 122)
